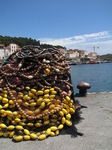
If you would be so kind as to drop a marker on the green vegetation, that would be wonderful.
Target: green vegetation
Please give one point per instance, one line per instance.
(58, 46)
(107, 57)
(6, 40)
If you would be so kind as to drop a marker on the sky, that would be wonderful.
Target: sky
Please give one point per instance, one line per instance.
(74, 24)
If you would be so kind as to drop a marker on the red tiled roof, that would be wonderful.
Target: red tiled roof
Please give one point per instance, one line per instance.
(1, 45)
(91, 53)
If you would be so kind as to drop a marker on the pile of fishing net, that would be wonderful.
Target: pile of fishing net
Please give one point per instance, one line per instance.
(36, 94)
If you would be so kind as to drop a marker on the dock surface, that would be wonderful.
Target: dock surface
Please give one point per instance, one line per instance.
(96, 127)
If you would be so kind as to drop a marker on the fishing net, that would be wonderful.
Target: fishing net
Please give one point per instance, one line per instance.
(36, 94)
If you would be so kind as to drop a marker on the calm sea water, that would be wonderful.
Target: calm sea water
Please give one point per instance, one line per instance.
(99, 76)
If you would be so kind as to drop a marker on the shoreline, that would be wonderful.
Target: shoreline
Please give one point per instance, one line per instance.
(99, 92)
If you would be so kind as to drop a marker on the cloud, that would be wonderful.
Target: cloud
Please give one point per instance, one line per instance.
(101, 47)
(103, 40)
(98, 35)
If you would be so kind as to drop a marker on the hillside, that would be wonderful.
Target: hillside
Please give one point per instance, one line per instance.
(107, 57)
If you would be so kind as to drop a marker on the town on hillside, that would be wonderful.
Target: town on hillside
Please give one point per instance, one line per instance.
(73, 56)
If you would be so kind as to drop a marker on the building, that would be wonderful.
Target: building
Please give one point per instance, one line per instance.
(2, 51)
(93, 55)
(11, 48)
(62, 51)
(73, 54)
(82, 53)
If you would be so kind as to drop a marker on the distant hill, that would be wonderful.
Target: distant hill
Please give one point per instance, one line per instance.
(107, 57)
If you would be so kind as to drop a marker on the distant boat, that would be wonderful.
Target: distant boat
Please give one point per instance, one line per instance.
(72, 63)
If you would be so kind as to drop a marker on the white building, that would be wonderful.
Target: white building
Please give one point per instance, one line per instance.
(73, 54)
(2, 51)
(92, 55)
(82, 53)
(11, 48)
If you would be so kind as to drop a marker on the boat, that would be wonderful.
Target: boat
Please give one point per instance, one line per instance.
(72, 63)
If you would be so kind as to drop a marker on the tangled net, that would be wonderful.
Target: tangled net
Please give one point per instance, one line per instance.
(36, 94)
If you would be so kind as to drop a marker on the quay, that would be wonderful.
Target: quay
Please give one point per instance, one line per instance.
(96, 127)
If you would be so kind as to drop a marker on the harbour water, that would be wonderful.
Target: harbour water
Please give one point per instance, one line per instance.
(99, 76)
